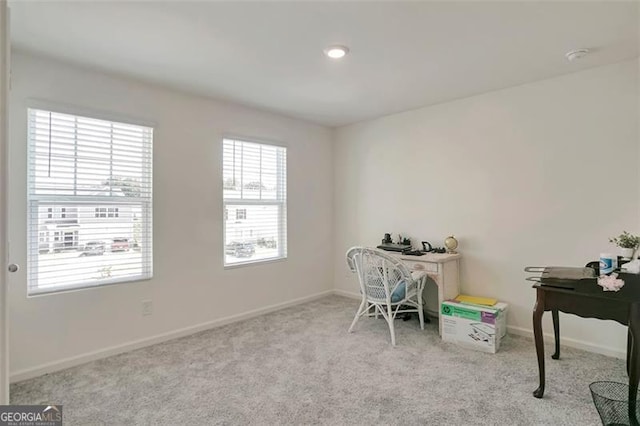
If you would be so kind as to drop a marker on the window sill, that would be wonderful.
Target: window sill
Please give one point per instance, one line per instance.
(81, 287)
(254, 262)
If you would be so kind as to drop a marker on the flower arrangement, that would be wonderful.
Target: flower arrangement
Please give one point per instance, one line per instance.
(626, 240)
(610, 282)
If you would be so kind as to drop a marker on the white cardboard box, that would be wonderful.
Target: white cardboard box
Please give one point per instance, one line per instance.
(474, 326)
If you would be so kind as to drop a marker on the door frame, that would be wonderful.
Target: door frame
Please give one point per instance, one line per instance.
(4, 123)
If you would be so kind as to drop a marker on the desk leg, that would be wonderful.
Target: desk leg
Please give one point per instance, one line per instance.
(556, 333)
(629, 346)
(538, 310)
(441, 297)
(633, 361)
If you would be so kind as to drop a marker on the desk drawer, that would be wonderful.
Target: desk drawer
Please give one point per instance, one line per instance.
(422, 266)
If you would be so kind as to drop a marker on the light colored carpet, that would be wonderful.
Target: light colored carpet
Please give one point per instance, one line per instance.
(300, 366)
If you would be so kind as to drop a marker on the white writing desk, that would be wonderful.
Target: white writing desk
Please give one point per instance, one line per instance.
(443, 269)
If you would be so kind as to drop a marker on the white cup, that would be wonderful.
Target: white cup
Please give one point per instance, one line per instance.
(608, 263)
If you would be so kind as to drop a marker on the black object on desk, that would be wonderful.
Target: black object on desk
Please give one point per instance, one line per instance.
(428, 248)
(395, 247)
(588, 300)
(560, 276)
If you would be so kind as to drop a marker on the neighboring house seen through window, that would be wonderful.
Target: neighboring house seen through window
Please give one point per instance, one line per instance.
(90, 201)
(106, 212)
(255, 202)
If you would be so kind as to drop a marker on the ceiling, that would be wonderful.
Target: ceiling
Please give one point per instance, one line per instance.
(269, 55)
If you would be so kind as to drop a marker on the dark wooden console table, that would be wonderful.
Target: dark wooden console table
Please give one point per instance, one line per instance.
(588, 300)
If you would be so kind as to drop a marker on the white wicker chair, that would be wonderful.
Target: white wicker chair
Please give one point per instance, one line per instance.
(386, 285)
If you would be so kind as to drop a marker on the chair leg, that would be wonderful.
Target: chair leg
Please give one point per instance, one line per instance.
(391, 328)
(358, 314)
(420, 307)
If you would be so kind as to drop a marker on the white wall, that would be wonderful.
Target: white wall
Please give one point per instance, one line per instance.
(190, 286)
(539, 174)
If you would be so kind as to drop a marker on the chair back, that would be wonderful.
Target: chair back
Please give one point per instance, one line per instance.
(379, 273)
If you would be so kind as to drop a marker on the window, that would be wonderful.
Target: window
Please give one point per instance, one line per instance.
(89, 186)
(255, 187)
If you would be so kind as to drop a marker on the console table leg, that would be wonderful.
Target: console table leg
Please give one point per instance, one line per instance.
(538, 310)
(556, 333)
(632, 361)
(629, 346)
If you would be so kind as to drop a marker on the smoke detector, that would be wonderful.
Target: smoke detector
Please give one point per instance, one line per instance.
(576, 54)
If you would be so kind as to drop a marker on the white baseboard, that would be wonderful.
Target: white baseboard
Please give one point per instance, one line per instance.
(348, 294)
(573, 343)
(65, 363)
(565, 341)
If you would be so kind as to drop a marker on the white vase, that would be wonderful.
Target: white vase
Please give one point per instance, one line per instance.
(627, 253)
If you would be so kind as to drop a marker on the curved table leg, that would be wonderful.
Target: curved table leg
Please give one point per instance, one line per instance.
(629, 346)
(538, 310)
(632, 361)
(556, 333)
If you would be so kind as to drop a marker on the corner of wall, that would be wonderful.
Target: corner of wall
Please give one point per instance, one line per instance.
(334, 202)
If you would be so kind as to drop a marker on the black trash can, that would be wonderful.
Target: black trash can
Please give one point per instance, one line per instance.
(612, 402)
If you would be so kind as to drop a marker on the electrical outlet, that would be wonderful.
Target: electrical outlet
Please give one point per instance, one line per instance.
(147, 307)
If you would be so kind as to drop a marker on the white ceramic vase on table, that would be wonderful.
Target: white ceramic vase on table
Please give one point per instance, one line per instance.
(627, 253)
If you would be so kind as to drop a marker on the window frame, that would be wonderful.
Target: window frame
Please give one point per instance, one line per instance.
(36, 201)
(281, 201)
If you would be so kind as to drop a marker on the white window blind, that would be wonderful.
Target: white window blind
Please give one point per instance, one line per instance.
(255, 202)
(90, 202)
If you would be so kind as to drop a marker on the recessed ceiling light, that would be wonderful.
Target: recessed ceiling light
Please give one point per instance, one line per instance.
(576, 54)
(336, 52)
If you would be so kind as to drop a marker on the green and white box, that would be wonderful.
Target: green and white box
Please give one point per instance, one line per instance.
(474, 326)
